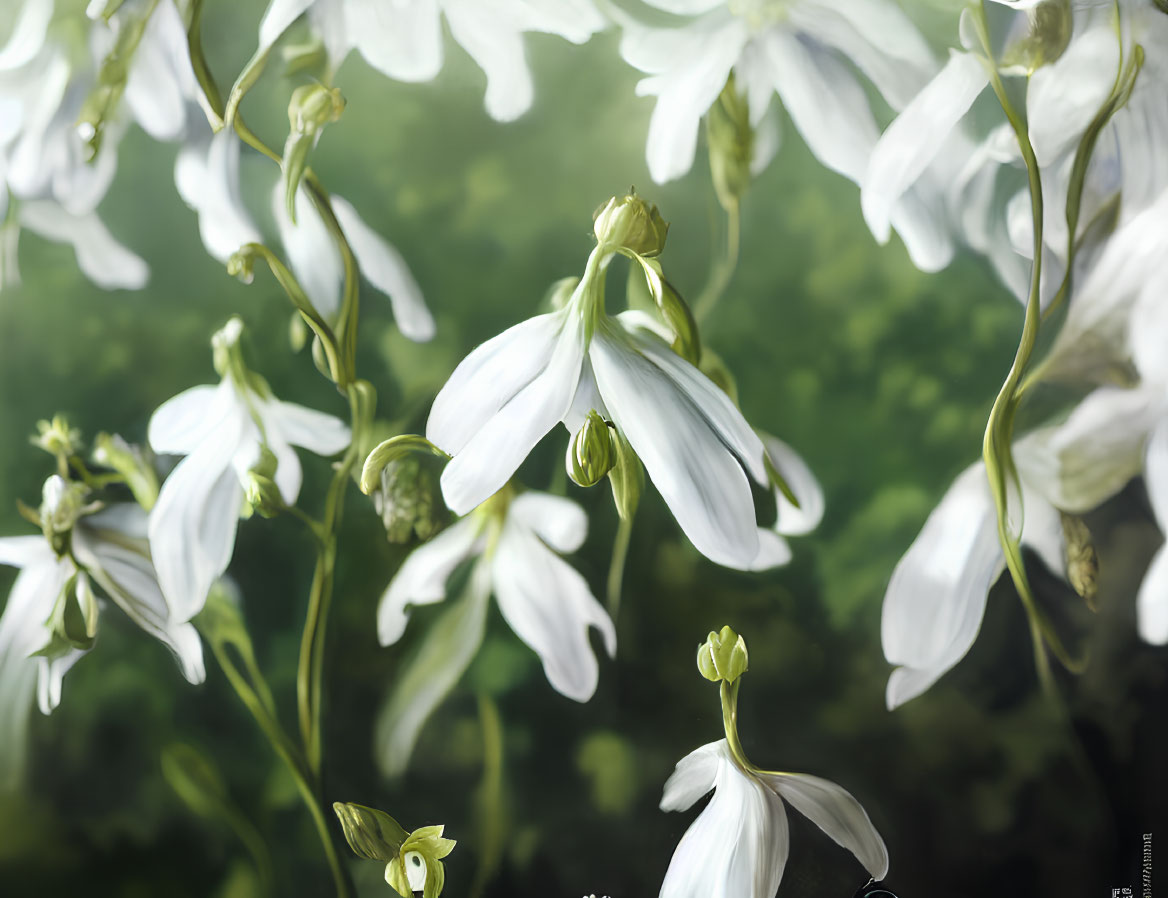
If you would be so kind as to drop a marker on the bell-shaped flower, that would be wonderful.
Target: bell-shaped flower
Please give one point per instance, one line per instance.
(693, 441)
(738, 845)
(223, 431)
(50, 620)
(404, 40)
(513, 542)
(805, 52)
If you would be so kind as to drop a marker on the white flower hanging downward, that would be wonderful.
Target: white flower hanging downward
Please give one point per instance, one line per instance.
(738, 845)
(695, 445)
(224, 431)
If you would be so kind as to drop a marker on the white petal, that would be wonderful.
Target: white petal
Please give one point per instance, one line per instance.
(192, 526)
(24, 551)
(1082, 462)
(28, 34)
(773, 551)
(825, 102)
(161, 78)
(402, 40)
(559, 522)
(1064, 96)
(287, 424)
(421, 580)
(1148, 329)
(387, 271)
(497, 47)
(685, 7)
(936, 597)
(207, 177)
(794, 521)
(277, 17)
(915, 137)
(179, 425)
(492, 455)
(1152, 603)
(489, 378)
(834, 810)
(700, 479)
(550, 607)
(587, 399)
(576, 20)
(99, 256)
(693, 776)
(312, 254)
(420, 686)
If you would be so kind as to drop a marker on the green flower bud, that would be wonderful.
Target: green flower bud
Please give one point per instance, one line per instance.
(731, 144)
(591, 454)
(722, 656)
(414, 861)
(260, 491)
(57, 438)
(241, 265)
(630, 222)
(627, 478)
(311, 108)
(409, 499)
(112, 451)
(372, 834)
(1082, 560)
(62, 504)
(72, 624)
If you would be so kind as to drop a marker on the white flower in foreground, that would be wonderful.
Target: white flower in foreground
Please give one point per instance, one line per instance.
(206, 174)
(222, 431)
(403, 38)
(53, 597)
(937, 595)
(513, 542)
(693, 441)
(738, 845)
(804, 51)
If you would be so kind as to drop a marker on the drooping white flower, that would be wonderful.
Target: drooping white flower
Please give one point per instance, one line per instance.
(695, 445)
(107, 549)
(514, 543)
(738, 846)
(403, 38)
(222, 432)
(802, 50)
(208, 179)
(936, 598)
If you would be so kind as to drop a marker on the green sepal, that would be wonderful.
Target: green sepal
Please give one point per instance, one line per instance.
(111, 451)
(674, 310)
(627, 477)
(391, 450)
(72, 624)
(372, 834)
(778, 481)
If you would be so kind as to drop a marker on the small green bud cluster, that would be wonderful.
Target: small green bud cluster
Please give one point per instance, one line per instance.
(591, 453)
(261, 494)
(410, 499)
(57, 438)
(630, 223)
(722, 656)
(413, 861)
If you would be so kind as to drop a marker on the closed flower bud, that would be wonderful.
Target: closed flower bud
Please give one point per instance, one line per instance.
(260, 490)
(409, 499)
(723, 656)
(311, 108)
(731, 144)
(414, 861)
(57, 438)
(62, 503)
(591, 454)
(630, 222)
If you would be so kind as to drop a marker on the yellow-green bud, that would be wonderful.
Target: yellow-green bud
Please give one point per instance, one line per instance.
(630, 222)
(260, 490)
(723, 656)
(731, 144)
(311, 108)
(57, 438)
(1082, 560)
(62, 503)
(591, 453)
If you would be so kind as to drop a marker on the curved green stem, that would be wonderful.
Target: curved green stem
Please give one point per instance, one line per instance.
(616, 567)
(724, 266)
(729, 695)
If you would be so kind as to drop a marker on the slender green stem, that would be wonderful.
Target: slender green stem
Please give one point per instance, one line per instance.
(724, 265)
(729, 695)
(292, 759)
(616, 567)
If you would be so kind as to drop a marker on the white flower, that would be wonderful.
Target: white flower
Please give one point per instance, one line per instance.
(206, 174)
(738, 845)
(936, 598)
(403, 38)
(696, 447)
(548, 604)
(221, 431)
(800, 49)
(108, 548)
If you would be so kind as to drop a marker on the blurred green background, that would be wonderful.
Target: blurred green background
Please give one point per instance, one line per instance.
(879, 375)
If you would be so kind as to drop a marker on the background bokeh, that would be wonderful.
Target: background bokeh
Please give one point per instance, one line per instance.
(880, 375)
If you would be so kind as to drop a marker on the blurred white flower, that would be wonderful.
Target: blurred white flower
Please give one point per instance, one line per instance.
(513, 542)
(222, 431)
(804, 51)
(107, 548)
(403, 38)
(738, 846)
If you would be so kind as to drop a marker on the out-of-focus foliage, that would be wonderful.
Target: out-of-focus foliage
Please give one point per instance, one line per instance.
(879, 375)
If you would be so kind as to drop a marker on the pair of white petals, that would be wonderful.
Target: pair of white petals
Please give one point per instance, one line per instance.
(111, 546)
(193, 524)
(697, 448)
(803, 57)
(545, 600)
(403, 38)
(739, 844)
(208, 180)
